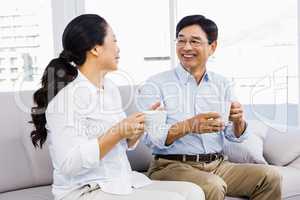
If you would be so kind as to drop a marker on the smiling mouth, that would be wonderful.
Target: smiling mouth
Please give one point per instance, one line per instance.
(188, 56)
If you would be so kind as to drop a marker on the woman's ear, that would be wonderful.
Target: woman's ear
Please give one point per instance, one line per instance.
(96, 51)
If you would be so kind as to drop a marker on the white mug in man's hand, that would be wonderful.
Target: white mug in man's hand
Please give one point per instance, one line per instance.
(221, 107)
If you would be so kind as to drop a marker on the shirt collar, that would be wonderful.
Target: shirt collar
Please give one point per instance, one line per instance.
(184, 76)
(83, 79)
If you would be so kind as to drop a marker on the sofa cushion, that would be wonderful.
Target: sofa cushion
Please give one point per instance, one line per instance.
(36, 193)
(128, 94)
(140, 158)
(290, 182)
(25, 166)
(258, 128)
(281, 146)
(248, 151)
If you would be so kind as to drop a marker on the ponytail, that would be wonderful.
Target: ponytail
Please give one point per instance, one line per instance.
(57, 75)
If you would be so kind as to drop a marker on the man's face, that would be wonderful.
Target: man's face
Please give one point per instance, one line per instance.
(192, 47)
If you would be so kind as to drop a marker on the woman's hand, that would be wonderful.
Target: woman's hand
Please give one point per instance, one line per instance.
(129, 128)
(132, 126)
(133, 140)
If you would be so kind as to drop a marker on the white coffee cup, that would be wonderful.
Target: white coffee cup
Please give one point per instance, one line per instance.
(155, 121)
(221, 107)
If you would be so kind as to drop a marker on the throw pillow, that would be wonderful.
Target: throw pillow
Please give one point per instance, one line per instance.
(248, 151)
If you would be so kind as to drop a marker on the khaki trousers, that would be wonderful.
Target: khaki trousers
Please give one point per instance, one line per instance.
(158, 190)
(222, 178)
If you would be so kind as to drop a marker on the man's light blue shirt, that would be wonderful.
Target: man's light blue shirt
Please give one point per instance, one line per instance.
(183, 98)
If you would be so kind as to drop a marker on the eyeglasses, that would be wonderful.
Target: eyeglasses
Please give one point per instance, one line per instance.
(193, 42)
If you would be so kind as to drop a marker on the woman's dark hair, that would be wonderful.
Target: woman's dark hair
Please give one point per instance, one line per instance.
(80, 36)
(207, 25)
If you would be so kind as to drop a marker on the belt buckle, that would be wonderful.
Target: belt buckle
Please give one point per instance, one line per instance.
(197, 158)
(184, 158)
(214, 157)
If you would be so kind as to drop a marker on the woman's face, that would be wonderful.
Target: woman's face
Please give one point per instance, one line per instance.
(109, 53)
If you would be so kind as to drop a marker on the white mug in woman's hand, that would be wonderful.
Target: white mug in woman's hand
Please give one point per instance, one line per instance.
(155, 121)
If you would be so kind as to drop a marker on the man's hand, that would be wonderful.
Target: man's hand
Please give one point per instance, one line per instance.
(155, 106)
(206, 123)
(237, 117)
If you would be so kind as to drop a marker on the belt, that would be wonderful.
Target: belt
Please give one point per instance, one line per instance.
(207, 158)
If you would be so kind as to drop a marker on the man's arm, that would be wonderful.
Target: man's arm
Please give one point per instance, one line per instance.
(177, 131)
(202, 123)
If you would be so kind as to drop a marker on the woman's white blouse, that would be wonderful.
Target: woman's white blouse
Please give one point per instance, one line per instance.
(76, 117)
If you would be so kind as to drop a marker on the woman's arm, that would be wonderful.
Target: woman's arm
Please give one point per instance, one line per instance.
(131, 128)
(132, 142)
(108, 140)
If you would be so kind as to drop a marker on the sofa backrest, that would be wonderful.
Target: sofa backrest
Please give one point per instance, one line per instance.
(22, 165)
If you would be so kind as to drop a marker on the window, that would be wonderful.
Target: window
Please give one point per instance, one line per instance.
(257, 49)
(25, 33)
(13, 61)
(2, 61)
(142, 30)
(13, 69)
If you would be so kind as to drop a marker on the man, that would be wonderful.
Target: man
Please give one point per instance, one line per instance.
(190, 147)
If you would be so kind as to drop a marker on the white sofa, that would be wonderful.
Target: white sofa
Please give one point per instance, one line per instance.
(26, 173)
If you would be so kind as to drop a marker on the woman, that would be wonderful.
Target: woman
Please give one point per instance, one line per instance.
(79, 111)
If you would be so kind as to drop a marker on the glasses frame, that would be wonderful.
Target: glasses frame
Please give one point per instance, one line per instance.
(180, 42)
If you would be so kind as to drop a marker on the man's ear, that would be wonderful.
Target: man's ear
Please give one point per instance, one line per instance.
(213, 47)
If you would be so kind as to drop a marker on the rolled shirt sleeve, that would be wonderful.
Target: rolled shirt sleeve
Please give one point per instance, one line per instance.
(229, 134)
(158, 140)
